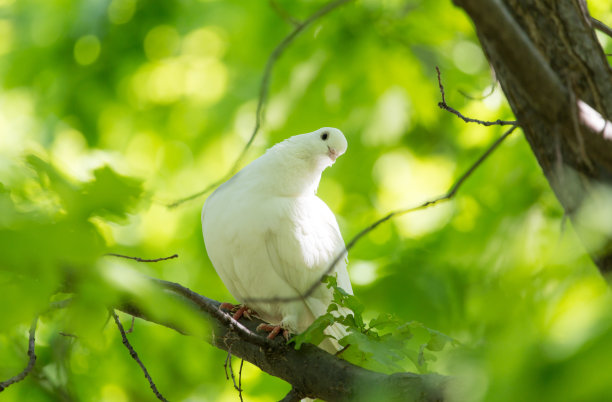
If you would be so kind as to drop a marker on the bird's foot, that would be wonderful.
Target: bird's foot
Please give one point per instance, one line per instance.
(238, 310)
(273, 330)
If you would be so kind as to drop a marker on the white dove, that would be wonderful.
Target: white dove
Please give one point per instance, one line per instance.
(269, 236)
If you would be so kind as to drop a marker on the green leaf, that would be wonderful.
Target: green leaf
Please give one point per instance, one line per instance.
(438, 340)
(384, 320)
(111, 195)
(314, 333)
(374, 349)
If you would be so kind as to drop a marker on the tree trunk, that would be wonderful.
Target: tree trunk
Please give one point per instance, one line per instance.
(553, 71)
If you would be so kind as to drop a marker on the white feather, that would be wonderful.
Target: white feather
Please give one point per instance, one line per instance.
(268, 235)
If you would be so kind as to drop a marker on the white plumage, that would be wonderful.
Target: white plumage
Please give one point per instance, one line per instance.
(268, 234)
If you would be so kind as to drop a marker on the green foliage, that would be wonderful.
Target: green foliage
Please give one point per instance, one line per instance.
(384, 343)
(110, 110)
(314, 333)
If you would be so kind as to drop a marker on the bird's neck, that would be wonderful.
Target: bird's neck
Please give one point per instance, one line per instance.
(291, 175)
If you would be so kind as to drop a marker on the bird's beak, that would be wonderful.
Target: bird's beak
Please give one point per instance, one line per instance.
(332, 153)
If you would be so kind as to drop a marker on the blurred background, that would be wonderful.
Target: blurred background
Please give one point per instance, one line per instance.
(110, 110)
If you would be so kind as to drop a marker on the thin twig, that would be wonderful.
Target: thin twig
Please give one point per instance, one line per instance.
(482, 97)
(600, 26)
(263, 93)
(68, 335)
(445, 106)
(31, 361)
(141, 259)
(240, 380)
(283, 13)
(338, 353)
(445, 197)
(228, 362)
(134, 355)
(129, 331)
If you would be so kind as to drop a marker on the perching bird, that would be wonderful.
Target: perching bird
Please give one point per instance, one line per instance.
(269, 236)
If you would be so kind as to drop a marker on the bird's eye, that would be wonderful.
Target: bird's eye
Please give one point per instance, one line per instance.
(324, 136)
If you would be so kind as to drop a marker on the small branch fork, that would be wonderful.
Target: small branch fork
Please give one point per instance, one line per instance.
(444, 105)
(445, 197)
(134, 355)
(263, 92)
(228, 363)
(31, 361)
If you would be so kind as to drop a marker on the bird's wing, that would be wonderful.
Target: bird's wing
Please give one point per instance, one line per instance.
(303, 242)
(301, 245)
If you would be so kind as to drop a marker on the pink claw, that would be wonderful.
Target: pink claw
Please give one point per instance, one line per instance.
(273, 330)
(238, 310)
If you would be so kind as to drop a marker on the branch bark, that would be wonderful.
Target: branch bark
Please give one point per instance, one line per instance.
(311, 371)
(31, 358)
(559, 84)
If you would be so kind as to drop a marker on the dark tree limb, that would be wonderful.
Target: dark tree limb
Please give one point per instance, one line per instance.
(292, 396)
(312, 371)
(553, 72)
(31, 358)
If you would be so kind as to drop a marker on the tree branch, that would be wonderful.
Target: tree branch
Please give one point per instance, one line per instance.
(31, 361)
(292, 396)
(600, 26)
(263, 93)
(312, 371)
(496, 22)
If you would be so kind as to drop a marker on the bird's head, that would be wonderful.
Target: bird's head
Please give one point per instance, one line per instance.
(322, 146)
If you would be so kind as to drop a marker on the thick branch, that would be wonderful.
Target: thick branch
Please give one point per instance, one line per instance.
(559, 84)
(311, 371)
(495, 22)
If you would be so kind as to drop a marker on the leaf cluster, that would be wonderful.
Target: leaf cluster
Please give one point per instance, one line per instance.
(50, 233)
(384, 343)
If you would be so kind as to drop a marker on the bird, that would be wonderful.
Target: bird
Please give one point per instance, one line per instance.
(269, 236)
